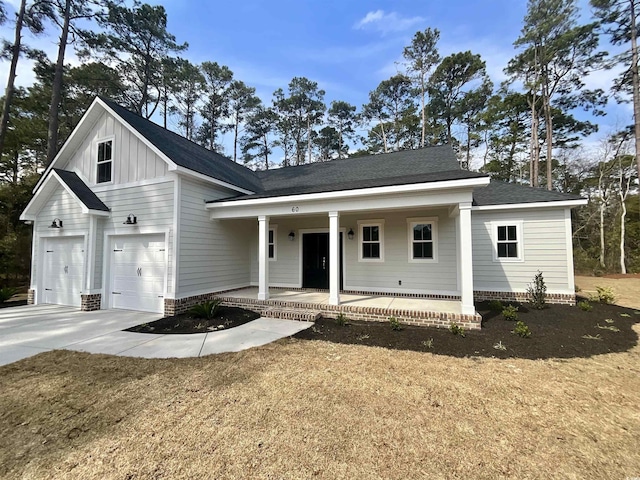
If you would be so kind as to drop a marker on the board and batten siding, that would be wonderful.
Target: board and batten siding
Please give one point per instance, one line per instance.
(63, 206)
(133, 161)
(214, 255)
(424, 278)
(545, 249)
(153, 207)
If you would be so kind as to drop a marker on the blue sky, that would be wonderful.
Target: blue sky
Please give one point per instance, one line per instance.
(348, 47)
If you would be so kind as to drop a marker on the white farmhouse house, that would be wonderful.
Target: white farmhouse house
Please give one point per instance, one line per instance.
(132, 216)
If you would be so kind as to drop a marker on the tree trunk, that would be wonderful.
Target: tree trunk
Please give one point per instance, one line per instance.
(424, 127)
(266, 152)
(56, 94)
(548, 121)
(468, 161)
(636, 82)
(309, 138)
(623, 215)
(533, 167)
(602, 205)
(9, 92)
(384, 138)
(235, 139)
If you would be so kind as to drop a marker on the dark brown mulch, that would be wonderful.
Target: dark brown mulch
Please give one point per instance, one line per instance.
(226, 318)
(558, 331)
(13, 303)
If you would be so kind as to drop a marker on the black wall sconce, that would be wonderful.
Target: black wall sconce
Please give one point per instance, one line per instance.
(57, 223)
(350, 234)
(131, 220)
(292, 236)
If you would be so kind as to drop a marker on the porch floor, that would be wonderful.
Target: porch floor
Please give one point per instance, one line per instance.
(374, 301)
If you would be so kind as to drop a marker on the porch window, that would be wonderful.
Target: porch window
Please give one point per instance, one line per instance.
(272, 243)
(423, 239)
(371, 241)
(105, 161)
(508, 242)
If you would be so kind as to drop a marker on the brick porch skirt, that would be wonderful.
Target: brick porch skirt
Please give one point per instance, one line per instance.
(523, 297)
(90, 302)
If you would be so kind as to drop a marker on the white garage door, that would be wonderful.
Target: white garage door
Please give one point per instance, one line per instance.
(138, 269)
(63, 264)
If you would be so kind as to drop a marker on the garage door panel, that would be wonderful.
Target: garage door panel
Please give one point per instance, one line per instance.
(138, 272)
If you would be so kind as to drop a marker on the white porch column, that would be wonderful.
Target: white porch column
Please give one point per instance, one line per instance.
(263, 257)
(334, 258)
(465, 257)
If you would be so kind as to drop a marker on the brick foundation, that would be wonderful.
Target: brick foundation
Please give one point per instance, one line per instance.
(90, 302)
(31, 296)
(523, 297)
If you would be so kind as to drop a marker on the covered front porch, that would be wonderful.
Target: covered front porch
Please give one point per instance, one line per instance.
(304, 304)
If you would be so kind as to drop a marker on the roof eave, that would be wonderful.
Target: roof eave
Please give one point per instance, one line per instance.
(519, 206)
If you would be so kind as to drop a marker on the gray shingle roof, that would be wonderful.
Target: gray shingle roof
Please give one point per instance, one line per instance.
(188, 154)
(502, 193)
(81, 190)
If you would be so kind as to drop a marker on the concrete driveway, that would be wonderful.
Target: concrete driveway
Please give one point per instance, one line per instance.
(33, 329)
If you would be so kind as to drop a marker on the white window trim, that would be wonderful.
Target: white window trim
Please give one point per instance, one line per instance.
(273, 228)
(371, 223)
(113, 156)
(519, 238)
(412, 222)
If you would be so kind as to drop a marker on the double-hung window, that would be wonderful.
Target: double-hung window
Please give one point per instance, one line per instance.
(423, 239)
(508, 241)
(105, 161)
(371, 240)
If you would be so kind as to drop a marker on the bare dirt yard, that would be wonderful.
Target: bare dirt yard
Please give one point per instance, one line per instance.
(318, 409)
(626, 287)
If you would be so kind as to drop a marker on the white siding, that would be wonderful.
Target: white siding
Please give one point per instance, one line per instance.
(545, 249)
(214, 255)
(151, 204)
(60, 205)
(132, 160)
(440, 277)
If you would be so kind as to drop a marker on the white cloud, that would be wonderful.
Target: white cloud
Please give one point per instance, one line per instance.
(384, 23)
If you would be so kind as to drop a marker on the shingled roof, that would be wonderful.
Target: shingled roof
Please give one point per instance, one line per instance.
(81, 190)
(188, 154)
(503, 193)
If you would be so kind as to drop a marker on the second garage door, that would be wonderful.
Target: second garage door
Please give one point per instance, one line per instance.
(138, 266)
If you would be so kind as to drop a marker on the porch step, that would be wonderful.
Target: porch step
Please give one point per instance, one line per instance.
(292, 314)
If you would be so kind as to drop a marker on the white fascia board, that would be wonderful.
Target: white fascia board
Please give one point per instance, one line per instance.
(77, 132)
(208, 179)
(346, 194)
(520, 206)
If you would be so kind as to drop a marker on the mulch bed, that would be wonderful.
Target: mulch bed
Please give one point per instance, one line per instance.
(558, 331)
(226, 318)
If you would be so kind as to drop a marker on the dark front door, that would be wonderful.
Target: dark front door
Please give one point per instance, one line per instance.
(315, 260)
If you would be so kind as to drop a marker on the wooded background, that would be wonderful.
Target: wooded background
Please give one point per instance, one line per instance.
(525, 130)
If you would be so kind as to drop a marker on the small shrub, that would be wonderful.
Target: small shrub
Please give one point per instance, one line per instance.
(500, 346)
(206, 310)
(585, 306)
(395, 324)
(342, 320)
(522, 330)
(537, 292)
(510, 313)
(456, 329)
(603, 295)
(496, 306)
(6, 293)
(428, 343)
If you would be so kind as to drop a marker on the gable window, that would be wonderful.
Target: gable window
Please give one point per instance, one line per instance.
(272, 243)
(371, 240)
(508, 241)
(105, 161)
(423, 239)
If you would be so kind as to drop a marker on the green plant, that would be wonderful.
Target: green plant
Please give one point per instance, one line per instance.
(500, 346)
(510, 313)
(585, 306)
(395, 323)
(456, 329)
(206, 310)
(6, 293)
(603, 295)
(537, 292)
(495, 306)
(428, 343)
(342, 320)
(522, 330)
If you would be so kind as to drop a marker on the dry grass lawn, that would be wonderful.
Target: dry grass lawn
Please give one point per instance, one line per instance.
(627, 289)
(301, 409)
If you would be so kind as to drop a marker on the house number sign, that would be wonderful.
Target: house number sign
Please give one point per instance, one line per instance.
(295, 209)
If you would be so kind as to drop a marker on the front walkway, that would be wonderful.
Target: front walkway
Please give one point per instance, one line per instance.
(29, 330)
